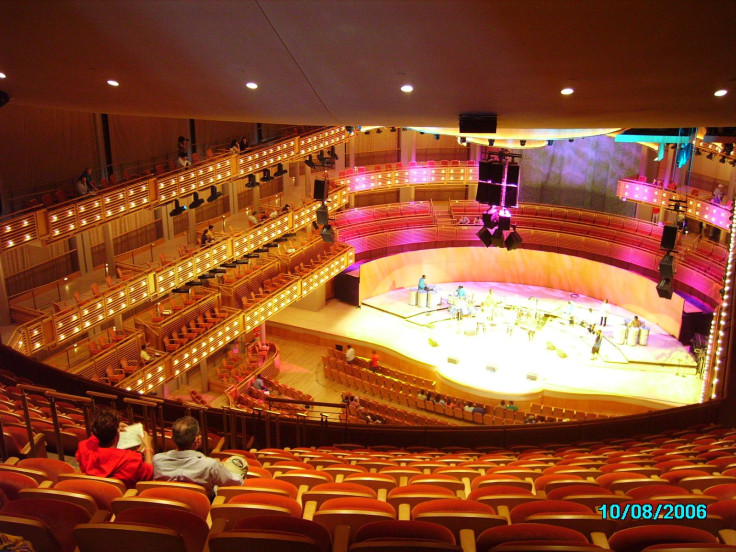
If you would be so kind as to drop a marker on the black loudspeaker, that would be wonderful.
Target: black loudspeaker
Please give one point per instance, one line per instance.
(504, 222)
(664, 289)
(669, 238)
(489, 193)
(512, 174)
(531, 376)
(667, 267)
(328, 234)
(485, 237)
(475, 123)
(323, 216)
(512, 196)
(489, 220)
(490, 171)
(4, 98)
(513, 241)
(452, 360)
(497, 238)
(321, 190)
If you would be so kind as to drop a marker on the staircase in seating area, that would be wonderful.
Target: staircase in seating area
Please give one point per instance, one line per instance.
(442, 214)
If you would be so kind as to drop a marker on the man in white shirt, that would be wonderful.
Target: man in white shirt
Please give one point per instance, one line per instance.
(189, 465)
(350, 355)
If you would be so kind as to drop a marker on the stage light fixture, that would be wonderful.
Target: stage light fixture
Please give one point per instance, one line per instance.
(280, 170)
(252, 182)
(367, 132)
(315, 226)
(333, 154)
(709, 156)
(733, 163)
(349, 129)
(266, 176)
(178, 209)
(728, 149)
(214, 194)
(571, 140)
(379, 131)
(522, 143)
(325, 161)
(722, 159)
(550, 142)
(196, 202)
(491, 142)
(327, 233)
(513, 240)
(309, 162)
(698, 152)
(436, 136)
(393, 129)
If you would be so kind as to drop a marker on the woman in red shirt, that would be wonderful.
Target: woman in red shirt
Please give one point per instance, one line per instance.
(374, 361)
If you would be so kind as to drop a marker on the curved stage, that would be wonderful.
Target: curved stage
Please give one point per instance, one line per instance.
(501, 364)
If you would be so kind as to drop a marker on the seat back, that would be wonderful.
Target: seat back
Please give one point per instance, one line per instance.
(102, 493)
(12, 482)
(50, 466)
(124, 537)
(192, 528)
(33, 530)
(59, 516)
(197, 501)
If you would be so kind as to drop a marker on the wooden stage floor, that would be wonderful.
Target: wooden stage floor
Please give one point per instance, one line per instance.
(497, 365)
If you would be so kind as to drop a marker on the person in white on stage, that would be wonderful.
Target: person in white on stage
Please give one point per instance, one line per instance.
(571, 312)
(489, 304)
(605, 309)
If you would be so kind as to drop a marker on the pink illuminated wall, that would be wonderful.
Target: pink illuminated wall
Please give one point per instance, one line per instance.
(539, 268)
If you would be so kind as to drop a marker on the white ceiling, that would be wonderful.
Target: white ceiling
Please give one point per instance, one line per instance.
(633, 63)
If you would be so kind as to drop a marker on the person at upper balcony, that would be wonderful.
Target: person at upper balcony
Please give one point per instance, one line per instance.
(183, 145)
(84, 185)
(718, 194)
(183, 160)
(234, 148)
(243, 144)
(207, 237)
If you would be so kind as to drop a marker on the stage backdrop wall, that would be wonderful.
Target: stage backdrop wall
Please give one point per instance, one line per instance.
(538, 268)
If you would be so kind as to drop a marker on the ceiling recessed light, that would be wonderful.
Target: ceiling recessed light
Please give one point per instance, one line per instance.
(113, 83)
(407, 88)
(251, 85)
(2, 75)
(721, 92)
(566, 91)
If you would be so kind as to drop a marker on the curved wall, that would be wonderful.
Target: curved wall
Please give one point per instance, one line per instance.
(539, 268)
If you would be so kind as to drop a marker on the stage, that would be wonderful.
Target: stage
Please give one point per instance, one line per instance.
(497, 358)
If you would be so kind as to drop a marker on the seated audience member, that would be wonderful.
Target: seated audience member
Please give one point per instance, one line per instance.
(234, 147)
(512, 406)
(252, 219)
(718, 194)
(350, 355)
(273, 214)
(469, 407)
(183, 145)
(463, 220)
(374, 361)
(243, 145)
(207, 236)
(183, 160)
(286, 208)
(429, 396)
(99, 455)
(84, 186)
(263, 216)
(259, 384)
(422, 395)
(439, 400)
(189, 465)
(145, 357)
(479, 409)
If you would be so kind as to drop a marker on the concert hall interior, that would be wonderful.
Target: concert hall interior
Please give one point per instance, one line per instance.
(495, 225)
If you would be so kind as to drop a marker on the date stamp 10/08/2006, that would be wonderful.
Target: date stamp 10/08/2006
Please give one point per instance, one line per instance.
(625, 511)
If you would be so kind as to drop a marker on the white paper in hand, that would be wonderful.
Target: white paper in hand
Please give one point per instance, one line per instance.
(131, 437)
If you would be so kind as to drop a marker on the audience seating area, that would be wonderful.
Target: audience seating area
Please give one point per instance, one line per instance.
(547, 497)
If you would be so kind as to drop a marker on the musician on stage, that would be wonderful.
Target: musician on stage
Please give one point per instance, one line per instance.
(423, 286)
(635, 323)
(460, 292)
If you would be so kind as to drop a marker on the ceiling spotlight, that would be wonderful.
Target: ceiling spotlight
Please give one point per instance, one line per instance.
(266, 176)
(333, 153)
(251, 85)
(407, 88)
(196, 202)
(379, 131)
(252, 182)
(436, 136)
(566, 91)
(522, 143)
(367, 132)
(2, 75)
(309, 162)
(728, 149)
(709, 156)
(393, 129)
(722, 159)
(349, 129)
(550, 142)
(571, 140)
(698, 152)
(280, 170)
(214, 194)
(720, 93)
(177, 210)
(491, 141)
(113, 83)
(733, 163)
(326, 162)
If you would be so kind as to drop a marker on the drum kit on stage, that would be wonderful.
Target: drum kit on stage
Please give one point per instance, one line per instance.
(624, 335)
